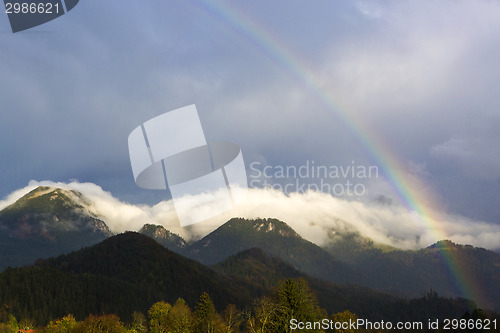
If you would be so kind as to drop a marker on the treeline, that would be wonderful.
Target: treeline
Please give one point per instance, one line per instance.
(290, 299)
(45, 294)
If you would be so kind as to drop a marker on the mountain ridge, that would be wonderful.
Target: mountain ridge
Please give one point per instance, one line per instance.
(136, 258)
(256, 266)
(407, 273)
(163, 236)
(150, 273)
(44, 222)
(276, 238)
(36, 226)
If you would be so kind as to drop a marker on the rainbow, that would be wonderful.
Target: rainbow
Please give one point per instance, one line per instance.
(378, 150)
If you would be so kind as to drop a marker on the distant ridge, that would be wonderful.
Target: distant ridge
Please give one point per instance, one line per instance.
(261, 269)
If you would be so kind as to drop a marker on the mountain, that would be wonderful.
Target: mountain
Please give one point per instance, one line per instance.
(258, 268)
(163, 236)
(346, 245)
(354, 259)
(130, 272)
(439, 267)
(138, 259)
(43, 294)
(261, 269)
(124, 273)
(276, 238)
(49, 221)
(46, 222)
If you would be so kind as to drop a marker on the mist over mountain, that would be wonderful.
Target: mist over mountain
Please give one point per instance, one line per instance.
(49, 221)
(45, 222)
(351, 258)
(406, 88)
(313, 215)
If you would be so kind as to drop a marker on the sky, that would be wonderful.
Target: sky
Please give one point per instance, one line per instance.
(337, 84)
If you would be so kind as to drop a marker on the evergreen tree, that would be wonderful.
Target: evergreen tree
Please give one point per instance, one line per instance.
(295, 300)
(10, 324)
(207, 319)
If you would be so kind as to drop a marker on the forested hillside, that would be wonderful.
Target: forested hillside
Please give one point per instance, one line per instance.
(120, 281)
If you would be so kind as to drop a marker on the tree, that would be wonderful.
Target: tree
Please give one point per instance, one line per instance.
(342, 317)
(291, 299)
(295, 300)
(139, 323)
(264, 309)
(180, 318)
(63, 325)
(10, 325)
(232, 318)
(98, 324)
(158, 317)
(26, 324)
(207, 319)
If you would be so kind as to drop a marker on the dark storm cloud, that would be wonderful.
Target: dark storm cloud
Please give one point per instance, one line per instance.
(73, 89)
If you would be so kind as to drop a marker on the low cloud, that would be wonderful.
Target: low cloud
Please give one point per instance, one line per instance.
(311, 214)
(118, 215)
